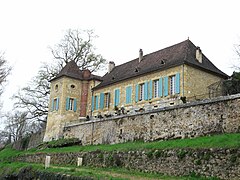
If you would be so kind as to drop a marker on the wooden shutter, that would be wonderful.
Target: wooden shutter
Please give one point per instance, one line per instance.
(75, 105)
(67, 103)
(150, 90)
(52, 105)
(160, 87)
(166, 86)
(136, 93)
(93, 103)
(101, 100)
(57, 104)
(146, 90)
(117, 97)
(177, 90)
(128, 94)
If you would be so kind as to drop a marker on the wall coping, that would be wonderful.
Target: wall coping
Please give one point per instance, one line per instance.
(167, 108)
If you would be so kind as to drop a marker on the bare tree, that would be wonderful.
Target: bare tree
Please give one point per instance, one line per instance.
(5, 70)
(34, 97)
(76, 45)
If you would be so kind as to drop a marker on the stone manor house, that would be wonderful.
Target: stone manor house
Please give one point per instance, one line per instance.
(158, 79)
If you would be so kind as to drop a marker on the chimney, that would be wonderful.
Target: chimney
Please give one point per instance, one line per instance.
(86, 73)
(140, 55)
(199, 54)
(111, 66)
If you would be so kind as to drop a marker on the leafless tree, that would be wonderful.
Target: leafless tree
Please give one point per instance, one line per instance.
(76, 45)
(5, 70)
(18, 125)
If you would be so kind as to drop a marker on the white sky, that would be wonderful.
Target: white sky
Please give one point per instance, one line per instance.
(29, 27)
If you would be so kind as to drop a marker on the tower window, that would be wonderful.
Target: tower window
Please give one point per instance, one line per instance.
(56, 87)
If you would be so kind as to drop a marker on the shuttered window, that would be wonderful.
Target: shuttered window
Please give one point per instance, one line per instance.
(55, 104)
(155, 88)
(71, 104)
(106, 100)
(129, 95)
(141, 92)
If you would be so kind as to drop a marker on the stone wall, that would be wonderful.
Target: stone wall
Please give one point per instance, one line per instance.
(195, 119)
(221, 163)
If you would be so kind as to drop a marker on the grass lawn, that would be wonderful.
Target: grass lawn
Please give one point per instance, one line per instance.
(215, 141)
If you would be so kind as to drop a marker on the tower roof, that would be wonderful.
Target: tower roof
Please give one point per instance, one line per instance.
(72, 70)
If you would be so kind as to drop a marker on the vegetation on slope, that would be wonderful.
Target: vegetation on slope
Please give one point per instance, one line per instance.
(216, 141)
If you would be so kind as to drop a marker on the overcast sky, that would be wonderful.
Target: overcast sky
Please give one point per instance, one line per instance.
(29, 27)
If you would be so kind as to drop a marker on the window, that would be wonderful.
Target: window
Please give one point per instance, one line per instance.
(141, 92)
(55, 104)
(172, 85)
(71, 104)
(106, 100)
(155, 88)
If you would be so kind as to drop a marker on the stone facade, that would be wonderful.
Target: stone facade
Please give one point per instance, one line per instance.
(221, 163)
(158, 80)
(219, 115)
(193, 85)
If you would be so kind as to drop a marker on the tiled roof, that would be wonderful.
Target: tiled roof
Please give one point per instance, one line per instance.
(72, 70)
(178, 54)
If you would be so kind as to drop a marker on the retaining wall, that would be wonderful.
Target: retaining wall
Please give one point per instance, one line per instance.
(220, 115)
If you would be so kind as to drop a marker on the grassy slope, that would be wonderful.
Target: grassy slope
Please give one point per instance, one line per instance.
(216, 141)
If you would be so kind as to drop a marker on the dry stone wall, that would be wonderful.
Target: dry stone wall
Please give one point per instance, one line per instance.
(220, 115)
(221, 163)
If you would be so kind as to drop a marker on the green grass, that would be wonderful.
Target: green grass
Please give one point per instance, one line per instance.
(216, 141)
(96, 173)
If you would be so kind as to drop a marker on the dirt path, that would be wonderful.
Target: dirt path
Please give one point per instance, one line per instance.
(109, 173)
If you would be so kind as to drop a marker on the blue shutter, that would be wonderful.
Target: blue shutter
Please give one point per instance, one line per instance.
(75, 105)
(177, 90)
(96, 103)
(146, 90)
(57, 104)
(160, 87)
(67, 103)
(136, 93)
(92, 103)
(128, 95)
(101, 100)
(52, 105)
(150, 90)
(117, 96)
(166, 86)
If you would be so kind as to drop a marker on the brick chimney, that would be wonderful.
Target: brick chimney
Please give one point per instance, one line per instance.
(199, 54)
(86, 73)
(140, 55)
(111, 65)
